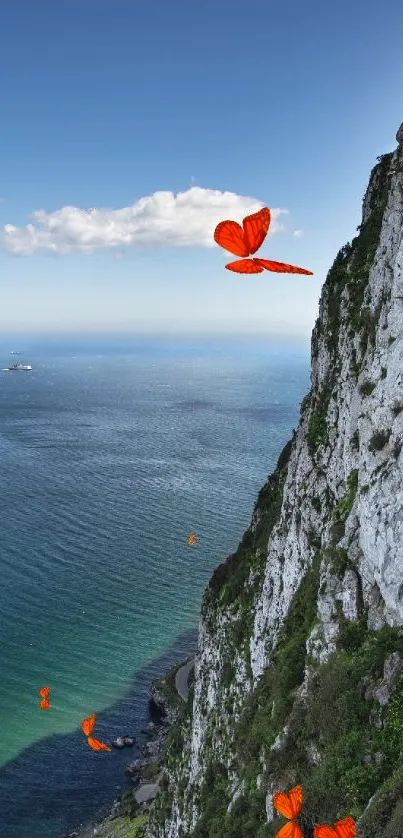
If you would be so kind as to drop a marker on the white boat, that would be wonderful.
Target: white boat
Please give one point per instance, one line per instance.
(18, 367)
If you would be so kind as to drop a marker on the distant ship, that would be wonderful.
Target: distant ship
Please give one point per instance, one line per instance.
(16, 367)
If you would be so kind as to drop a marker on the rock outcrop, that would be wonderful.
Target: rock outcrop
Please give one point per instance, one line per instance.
(298, 671)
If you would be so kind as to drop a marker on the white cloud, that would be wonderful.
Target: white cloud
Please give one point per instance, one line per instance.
(298, 234)
(185, 219)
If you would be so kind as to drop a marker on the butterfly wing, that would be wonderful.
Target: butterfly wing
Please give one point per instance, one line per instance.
(255, 229)
(87, 725)
(295, 798)
(282, 804)
(281, 267)
(96, 745)
(345, 828)
(290, 830)
(244, 266)
(44, 704)
(44, 692)
(289, 804)
(230, 236)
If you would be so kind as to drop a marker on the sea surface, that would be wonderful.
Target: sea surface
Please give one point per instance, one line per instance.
(111, 452)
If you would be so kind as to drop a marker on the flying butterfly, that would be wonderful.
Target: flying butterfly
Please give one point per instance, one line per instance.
(192, 538)
(289, 805)
(87, 726)
(44, 694)
(246, 240)
(345, 828)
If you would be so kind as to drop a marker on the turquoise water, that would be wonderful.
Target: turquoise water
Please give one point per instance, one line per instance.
(110, 454)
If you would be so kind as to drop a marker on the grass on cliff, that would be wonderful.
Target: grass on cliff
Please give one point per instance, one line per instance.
(228, 586)
(264, 714)
(349, 274)
(357, 760)
(335, 721)
(123, 827)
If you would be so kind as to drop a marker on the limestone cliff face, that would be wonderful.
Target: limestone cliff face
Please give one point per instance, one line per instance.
(316, 585)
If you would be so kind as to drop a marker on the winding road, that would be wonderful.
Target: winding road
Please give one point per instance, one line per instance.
(181, 679)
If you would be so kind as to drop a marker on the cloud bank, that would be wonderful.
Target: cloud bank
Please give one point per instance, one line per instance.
(185, 219)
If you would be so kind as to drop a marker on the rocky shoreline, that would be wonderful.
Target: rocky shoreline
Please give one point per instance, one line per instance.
(164, 704)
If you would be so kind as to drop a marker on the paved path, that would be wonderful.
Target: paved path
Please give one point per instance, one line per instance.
(148, 791)
(181, 679)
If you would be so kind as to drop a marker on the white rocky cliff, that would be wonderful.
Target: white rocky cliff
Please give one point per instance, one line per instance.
(331, 516)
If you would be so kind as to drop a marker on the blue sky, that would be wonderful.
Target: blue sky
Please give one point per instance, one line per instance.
(104, 103)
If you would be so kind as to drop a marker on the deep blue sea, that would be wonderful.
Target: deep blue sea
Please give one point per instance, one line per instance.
(111, 452)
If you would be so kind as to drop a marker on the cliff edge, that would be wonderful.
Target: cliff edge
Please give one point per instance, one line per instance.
(298, 675)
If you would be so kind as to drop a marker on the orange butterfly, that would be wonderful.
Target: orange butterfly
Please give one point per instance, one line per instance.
(44, 694)
(245, 240)
(87, 726)
(192, 538)
(289, 805)
(342, 829)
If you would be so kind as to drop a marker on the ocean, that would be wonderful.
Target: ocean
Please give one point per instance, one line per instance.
(111, 452)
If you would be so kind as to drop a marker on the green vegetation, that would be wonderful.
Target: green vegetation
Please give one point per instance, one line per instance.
(344, 505)
(355, 440)
(166, 686)
(336, 720)
(363, 252)
(123, 827)
(334, 285)
(367, 387)
(329, 740)
(350, 272)
(264, 714)
(229, 582)
(128, 804)
(378, 440)
(385, 817)
(337, 559)
(151, 770)
(317, 430)
(316, 504)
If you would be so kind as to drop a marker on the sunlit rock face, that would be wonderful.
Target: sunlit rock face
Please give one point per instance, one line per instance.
(336, 499)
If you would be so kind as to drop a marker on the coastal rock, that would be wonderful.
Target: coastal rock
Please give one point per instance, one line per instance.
(391, 675)
(162, 709)
(153, 748)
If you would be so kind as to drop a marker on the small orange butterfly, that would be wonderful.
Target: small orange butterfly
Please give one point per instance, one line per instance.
(87, 726)
(192, 538)
(289, 805)
(342, 829)
(245, 240)
(44, 694)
